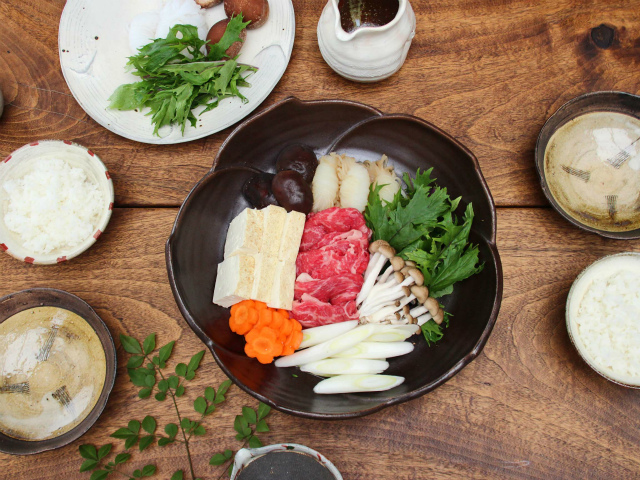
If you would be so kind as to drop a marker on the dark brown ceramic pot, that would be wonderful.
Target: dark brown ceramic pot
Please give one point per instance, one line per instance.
(50, 297)
(196, 244)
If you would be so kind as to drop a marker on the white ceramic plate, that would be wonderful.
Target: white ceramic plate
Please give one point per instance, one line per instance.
(20, 162)
(93, 43)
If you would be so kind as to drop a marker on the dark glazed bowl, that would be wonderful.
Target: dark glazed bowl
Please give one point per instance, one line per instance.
(50, 297)
(619, 102)
(196, 244)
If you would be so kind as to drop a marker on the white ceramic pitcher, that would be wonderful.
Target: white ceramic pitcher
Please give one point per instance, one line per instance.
(368, 54)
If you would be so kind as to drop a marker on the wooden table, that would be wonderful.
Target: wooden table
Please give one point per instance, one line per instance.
(488, 72)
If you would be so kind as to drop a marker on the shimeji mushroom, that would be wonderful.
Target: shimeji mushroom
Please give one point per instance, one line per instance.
(389, 292)
(381, 253)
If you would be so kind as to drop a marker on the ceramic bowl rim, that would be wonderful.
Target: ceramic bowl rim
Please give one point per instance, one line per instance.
(468, 358)
(540, 150)
(96, 165)
(94, 320)
(570, 323)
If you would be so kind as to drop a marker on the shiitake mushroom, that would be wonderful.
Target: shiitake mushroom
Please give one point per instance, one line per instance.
(255, 11)
(217, 31)
(258, 190)
(292, 192)
(299, 158)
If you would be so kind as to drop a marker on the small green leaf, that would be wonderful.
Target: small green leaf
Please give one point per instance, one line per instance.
(217, 459)
(161, 396)
(130, 344)
(155, 360)
(104, 451)
(171, 429)
(228, 454)
(122, 433)
(122, 457)
(230, 470)
(194, 363)
(181, 369)
(210, 394)
(190, 375)
(165, 352)
(174, 381)
(200, 405)
(224, 386)
(246, 432)
(134, 426)
(240, 423)
(99, 475)
(249, 414)
(263, 410)
(137, 376)
(210, 409)
(164, 441)
(111, 464)
(88, 465)
(135, 361)
(254, 442)
(148, 470)
(239, 437)
(185, 423)
(163, 385)
(177, 475)
(137, 473)
(150, 380)
(149, 424)
(89, 452)
(199, 430)
(130, 442)
(145, 392)
(262, 426)
(149, 344)
(145, 442)
(179, 391)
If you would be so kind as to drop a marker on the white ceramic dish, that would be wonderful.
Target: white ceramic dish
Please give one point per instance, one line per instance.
(93, 43)
(18, 163)
(605, 266)
(368, 54)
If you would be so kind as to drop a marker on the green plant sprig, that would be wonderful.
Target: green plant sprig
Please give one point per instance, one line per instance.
(144, 433)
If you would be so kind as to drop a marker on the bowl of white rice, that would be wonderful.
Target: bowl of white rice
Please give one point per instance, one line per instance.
(603, 317)
(56, 199)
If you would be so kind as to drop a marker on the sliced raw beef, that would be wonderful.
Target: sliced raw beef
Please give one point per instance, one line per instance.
(333, 260)
(331, 220)
(311, 312)
(335, 290)
(333, 257)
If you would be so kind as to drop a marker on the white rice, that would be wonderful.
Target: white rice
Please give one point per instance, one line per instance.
(53, 207)
(608, 322)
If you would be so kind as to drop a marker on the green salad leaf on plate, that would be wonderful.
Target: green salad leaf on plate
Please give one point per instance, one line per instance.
(177, 76)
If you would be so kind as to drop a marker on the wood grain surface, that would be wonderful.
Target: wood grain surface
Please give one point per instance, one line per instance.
(527, 408)
(487, 71)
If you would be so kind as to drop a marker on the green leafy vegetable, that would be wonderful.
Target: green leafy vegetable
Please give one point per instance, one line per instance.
(145, 432)
(421, 225)
(177, 77)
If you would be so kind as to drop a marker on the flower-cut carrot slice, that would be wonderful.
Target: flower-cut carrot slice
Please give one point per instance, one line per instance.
(244, 319)
(263, 344)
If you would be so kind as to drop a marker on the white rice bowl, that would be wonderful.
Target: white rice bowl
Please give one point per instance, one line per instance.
(20, 163)
(603, 317)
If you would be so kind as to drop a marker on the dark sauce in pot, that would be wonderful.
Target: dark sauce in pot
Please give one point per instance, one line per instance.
(285, 465)
(366, 13)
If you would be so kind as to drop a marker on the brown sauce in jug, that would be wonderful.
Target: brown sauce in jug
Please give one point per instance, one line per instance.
(355, 14)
